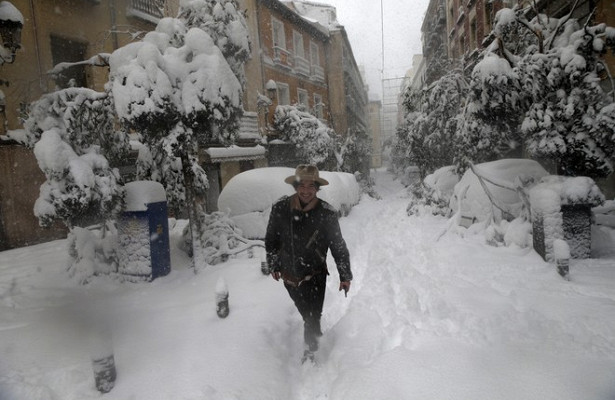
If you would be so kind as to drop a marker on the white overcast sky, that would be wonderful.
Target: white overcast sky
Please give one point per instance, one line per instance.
(402, 35)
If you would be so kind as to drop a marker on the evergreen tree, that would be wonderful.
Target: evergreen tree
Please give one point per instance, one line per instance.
(73, 137)
(356, 153)
(434, 115)
(313, 140)
(177, 90)
(540, 79)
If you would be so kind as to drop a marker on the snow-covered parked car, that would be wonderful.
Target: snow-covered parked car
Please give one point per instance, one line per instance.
(248, 196)
(475, 199)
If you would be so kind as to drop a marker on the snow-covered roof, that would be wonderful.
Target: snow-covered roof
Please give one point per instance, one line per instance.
(235, 153)
(316, 13)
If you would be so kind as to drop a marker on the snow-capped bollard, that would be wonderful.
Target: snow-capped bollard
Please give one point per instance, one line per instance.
(103, 361)
(104, 373)
(222, 308)
(561, 252)
(265, 268)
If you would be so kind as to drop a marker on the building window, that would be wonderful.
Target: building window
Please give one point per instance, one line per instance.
(298, 44)
(303, 99)
(318, 106)
(66, 50)
(314, 55)
(283, 94)
(279, 38)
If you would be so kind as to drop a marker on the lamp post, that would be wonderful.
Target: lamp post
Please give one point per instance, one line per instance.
(11, 23)
(272, 89)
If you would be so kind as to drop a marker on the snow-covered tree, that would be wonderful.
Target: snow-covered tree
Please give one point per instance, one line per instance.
(356, 152)
(313, 140)
(433, 118)
(72, 134)
(490, 123)
(225, 24)
(541, 78)
(177, 90)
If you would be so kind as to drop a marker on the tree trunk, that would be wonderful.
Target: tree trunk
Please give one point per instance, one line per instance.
(195, 210)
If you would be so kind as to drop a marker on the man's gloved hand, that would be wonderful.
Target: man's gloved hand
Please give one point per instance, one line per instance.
(276, 275)
(346, 286)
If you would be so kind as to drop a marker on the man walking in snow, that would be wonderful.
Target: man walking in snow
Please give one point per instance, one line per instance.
(301, 229)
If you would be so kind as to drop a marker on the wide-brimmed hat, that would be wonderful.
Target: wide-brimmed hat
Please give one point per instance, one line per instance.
(306, 172)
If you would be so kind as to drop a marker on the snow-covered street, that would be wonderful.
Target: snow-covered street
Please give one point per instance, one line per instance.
(428, 316)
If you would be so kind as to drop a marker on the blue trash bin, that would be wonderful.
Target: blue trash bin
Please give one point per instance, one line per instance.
(143, 233)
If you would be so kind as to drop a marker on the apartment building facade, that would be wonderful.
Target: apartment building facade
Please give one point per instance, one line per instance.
(53, 32)
(288, 51)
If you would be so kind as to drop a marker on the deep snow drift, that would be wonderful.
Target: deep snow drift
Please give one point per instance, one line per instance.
(426, 318)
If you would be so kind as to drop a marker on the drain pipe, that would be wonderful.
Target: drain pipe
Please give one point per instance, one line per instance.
(37, 49)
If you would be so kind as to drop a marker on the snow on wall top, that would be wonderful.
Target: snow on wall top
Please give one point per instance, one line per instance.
(8, 12)
(141, 193)
(236, 153)
(553, 191)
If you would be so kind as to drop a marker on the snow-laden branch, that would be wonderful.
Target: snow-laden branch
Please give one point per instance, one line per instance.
(99, 60)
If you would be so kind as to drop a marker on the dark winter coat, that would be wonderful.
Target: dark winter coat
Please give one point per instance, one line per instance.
(298, 239)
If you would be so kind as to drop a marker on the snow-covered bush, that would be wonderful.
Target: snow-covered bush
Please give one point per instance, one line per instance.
(93, 252)
(313, 140)
(222, 239)
(248, 196)
(71, 131)
(433, 194)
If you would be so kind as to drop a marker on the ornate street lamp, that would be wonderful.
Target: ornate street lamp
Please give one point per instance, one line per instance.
(272, 89)
(11, 22)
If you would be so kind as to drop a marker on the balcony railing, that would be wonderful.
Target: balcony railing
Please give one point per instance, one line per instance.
(302, 66)
(318, 73)
(282, 57)
(149, 10)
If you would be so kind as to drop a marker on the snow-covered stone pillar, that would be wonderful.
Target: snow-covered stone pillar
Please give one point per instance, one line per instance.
(143, 233)
(561, 209)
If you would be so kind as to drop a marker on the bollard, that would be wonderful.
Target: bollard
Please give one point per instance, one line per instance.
(561, 252)
(103, 361)
(222, 308)
(104, 373)
(563, 267)
(265, 268)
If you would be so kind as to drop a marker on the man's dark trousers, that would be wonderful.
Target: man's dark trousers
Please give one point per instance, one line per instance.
(309, 297)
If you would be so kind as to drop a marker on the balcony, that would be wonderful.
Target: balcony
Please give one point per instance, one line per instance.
(282, 57)
(318, 73)
(302, 66)
(148, 10)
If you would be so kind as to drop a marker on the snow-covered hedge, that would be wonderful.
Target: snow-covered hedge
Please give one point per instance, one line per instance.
(434, 193)
(248, 196)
